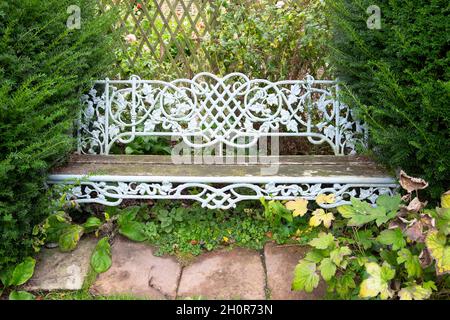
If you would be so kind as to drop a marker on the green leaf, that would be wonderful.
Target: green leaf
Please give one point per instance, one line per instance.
(412, 263)
(22, 272)
(69, 238)
(364, 237)
(443, 220)
(389, 203)
(128, 214)
(361, 213)
(55, 226)
(101, 257)
(305, 277)
(281, 210)
(91, 224)
(392, 238)
(314, 256)
(5, 276)
(345, 284)
(323, 241)
(133, 230)
(327, 269)
(21, 295)
(338, 254)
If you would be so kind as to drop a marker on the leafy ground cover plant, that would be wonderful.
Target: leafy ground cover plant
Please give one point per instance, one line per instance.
(398, 249)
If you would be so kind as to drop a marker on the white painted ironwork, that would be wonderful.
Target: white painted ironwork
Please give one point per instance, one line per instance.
(216, 111)
(111, 190)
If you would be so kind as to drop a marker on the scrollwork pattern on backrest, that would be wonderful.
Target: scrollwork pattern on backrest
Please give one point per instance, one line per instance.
(208, 110)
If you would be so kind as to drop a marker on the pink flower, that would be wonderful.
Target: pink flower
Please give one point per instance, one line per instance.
(130, 38)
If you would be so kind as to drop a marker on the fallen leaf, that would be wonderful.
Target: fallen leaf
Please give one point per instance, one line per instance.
(411, 184)
(416, 205)
(299, 206)
(425, 258)
(415, 232)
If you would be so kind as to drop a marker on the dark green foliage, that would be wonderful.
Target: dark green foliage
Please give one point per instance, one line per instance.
(398, 77)
(44, 67)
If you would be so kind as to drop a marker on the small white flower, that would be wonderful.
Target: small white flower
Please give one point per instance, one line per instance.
(130, 38)
(280, 4)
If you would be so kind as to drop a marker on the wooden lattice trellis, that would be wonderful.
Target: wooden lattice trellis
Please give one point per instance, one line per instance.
(167, 33)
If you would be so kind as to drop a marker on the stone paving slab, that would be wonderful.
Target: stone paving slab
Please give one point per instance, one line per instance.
(135, 270)
(56, 270)
(225, 274)
(280, 264)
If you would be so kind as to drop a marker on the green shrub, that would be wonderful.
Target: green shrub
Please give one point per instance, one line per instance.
(270, 40)
(398, 81)
(44, 68)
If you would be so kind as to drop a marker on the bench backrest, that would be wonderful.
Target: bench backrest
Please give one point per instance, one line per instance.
(208, 110)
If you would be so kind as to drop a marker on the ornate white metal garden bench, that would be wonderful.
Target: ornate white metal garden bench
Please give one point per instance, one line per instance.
(219, 114)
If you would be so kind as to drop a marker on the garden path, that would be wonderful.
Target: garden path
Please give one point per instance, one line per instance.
(230, 273)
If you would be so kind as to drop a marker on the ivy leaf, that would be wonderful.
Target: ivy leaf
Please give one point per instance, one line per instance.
(299, 206)
(415, 292)
(378, 281)
(91, 224)
(69, 238)
(436, 244)
(392, 238)
(412, 263)
(305, 277)
(21, 295)
(101, 257)
(22, 272)
(320, 216)
(327, 269)
(133, 230)
(323, 241)
(337, 255)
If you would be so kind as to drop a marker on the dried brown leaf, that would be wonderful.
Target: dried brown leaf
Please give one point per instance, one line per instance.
(411, 184)
(416, 205)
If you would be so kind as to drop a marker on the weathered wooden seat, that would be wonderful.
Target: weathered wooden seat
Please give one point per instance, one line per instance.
(218, 113)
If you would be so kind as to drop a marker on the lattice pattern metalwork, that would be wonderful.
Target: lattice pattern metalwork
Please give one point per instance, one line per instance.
(233, 110)
(171, 32)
